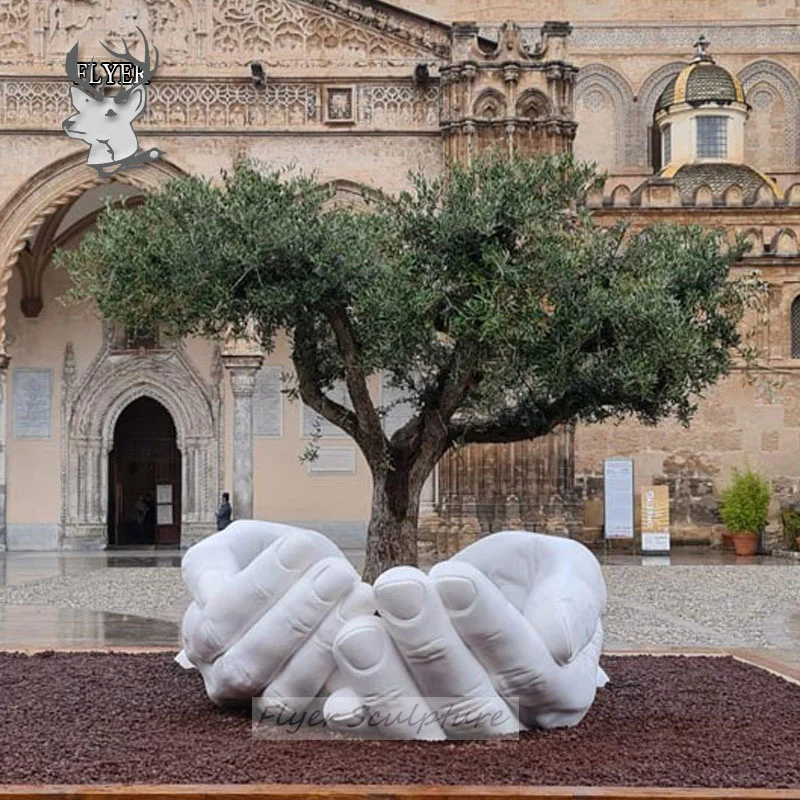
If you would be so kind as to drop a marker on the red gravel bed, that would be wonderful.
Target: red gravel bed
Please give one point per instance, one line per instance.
(78, 718)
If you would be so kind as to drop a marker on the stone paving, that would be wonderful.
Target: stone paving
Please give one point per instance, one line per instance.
(139, 599)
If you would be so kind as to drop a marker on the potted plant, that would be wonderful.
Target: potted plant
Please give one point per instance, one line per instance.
(790, 518)
(743, 508)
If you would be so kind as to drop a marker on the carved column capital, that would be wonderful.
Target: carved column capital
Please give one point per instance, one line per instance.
(242, 370)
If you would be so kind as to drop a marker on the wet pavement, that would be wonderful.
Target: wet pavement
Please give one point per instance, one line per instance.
(50, 628)
(27, 566)
(36, 627)
(135, 599)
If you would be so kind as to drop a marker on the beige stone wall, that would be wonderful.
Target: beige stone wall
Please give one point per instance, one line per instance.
(204, 111)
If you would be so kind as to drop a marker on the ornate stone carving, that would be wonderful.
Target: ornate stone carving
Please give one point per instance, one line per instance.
(111, 383)
(37, 104)
(242, 368)
(14, 24)
(507, 92)
(223, 32)
(69, 371)
(278, 31)
(398, 106)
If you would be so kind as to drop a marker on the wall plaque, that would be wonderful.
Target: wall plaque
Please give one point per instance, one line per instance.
(32, 405)
(618, 494)
(268, 402)
(334, 459)
(309, 417)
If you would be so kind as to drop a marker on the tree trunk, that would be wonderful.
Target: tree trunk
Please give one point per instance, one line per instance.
(392, 531)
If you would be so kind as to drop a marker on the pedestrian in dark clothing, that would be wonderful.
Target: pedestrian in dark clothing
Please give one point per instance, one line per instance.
(224, 512)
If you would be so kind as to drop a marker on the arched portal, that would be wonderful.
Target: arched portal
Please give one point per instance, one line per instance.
(144, 478)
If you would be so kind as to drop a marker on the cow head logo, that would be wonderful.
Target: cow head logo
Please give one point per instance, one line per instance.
(105, 123)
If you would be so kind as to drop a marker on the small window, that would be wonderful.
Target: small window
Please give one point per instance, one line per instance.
(654, 147)
(666, 144)
(796, 328)
(712, 137)
(124, 339)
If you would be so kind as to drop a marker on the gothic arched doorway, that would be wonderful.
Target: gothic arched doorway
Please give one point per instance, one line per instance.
(144, 478)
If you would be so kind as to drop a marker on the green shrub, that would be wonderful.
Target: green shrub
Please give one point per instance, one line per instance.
(790, 518)
(745, 503)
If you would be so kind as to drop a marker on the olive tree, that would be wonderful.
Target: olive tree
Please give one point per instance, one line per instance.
(488, 298)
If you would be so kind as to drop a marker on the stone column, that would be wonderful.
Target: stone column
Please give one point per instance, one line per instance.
(4, 361)
(242, 368)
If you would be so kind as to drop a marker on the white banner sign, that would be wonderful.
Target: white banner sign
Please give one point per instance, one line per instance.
(618, 496)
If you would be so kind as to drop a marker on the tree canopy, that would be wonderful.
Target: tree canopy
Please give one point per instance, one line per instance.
(488, 296)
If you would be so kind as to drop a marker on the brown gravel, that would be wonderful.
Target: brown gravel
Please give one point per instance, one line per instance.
(119, 718)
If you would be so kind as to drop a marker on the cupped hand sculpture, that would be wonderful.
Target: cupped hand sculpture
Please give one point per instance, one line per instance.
(267, 603)
(504, 636)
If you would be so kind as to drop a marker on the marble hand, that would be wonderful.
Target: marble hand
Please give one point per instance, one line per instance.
(505, 635)
(267, 602)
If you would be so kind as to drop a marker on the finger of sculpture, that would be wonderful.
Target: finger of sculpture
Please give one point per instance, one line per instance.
(247, 666)
(572, 688)
(442, 665)
(383, 696)
(250, 593)
(511, 650)
(208, 564)
(531, 569)
(565, 611)
(307, 671)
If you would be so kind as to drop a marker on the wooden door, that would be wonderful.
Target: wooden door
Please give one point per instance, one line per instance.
(145, 471)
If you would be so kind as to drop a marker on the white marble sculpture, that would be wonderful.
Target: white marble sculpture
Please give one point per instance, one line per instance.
(504, 636)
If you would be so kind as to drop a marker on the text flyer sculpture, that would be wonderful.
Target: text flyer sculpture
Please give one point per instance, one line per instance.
(504, 636)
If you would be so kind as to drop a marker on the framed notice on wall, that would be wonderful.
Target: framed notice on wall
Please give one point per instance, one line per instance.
(618, 497)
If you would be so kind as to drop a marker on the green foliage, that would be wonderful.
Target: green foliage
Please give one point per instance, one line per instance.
(491, 298)
(744, 504)
(790, 519)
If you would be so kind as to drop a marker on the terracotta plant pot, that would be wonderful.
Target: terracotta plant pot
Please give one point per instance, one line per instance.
(745, 543)
(727, 540)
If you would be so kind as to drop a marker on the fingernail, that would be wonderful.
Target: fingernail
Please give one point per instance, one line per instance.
(400, 599)
(291, 552)
(457, 594)
(362, 648)
(331, 581)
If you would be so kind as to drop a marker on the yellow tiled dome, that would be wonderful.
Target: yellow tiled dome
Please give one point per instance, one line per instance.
(702, 81)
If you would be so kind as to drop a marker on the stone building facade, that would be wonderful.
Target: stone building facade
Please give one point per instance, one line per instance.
(92, 421)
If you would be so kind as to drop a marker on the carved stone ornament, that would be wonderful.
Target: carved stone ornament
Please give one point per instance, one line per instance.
(110, 384)
(223, 32)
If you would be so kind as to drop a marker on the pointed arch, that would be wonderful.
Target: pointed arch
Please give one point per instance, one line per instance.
(785, 84)
(48, 190)
(90, 411)
(616, 86)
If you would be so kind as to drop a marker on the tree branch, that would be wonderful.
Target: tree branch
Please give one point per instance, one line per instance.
(305, 363)
(367, 418)
(510, 430)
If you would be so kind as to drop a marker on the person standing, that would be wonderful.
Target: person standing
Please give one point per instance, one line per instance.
(224, 512)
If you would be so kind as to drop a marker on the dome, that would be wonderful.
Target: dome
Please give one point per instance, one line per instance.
(702, 81)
